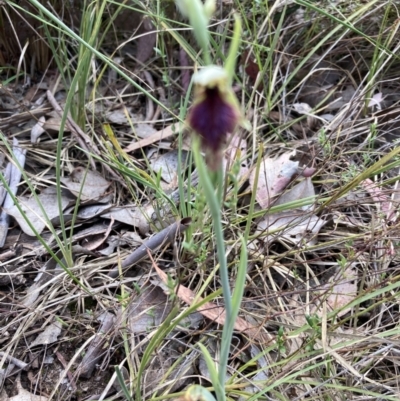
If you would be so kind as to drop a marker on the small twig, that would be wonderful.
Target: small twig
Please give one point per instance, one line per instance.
(156, 137)
(17, 362)
(15, 178)
(69, 374)
(9, 254)
(158, 240)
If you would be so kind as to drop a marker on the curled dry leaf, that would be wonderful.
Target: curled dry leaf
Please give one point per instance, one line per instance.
(381, 198)
(275, 175)
(54, 124)
(376, 100)
(302, 108)
(38, 129)
(48, 202)
(90, 185)
(96, 241)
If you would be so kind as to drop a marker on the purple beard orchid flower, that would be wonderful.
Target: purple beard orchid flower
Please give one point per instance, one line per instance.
(215, 112)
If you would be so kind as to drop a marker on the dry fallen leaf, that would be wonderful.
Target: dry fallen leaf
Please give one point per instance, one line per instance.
(167, 165)
(341, 291)
(147, 39)
(215, 312)
(123, 116)
(148, 310)
(49, 335)
(298, 226)
(275, 175)
(144, 130)
(54, 124)
(156, 137)
(48, 199)
(23, 395)
(130, 238)
(38, 129)
(90, 185)
(139, 217)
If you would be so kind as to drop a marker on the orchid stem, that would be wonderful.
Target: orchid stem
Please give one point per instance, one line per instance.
(214, 201)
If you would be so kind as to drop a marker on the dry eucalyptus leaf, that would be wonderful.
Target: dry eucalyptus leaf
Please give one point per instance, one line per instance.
(302, 108)
(215, 313)
(3, 395)
(275, 175)
(167, 165)
(341, 291)
(38, 129)
(260, 376)
(49, 335)
(122, 116)
(303, 189)
(129, 238)
(97, 241)
(342, 98)
(49, 202)
(90, 211)
(148, 310)
(54, 124)
(139, 217)
(376, 100)
(156, 137)
(144, 130)
(203, 368)
(127, 215)
(90, 185)
(297, 226)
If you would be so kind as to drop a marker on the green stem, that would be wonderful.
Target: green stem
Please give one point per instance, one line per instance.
(214, 203)
(215, 209)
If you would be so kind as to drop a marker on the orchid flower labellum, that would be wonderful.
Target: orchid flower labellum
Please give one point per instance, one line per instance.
(215, 112)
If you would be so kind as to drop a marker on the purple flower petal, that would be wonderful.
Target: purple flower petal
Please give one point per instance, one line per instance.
(213, 118)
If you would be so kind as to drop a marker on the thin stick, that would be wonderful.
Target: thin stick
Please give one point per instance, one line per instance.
(155, 242)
